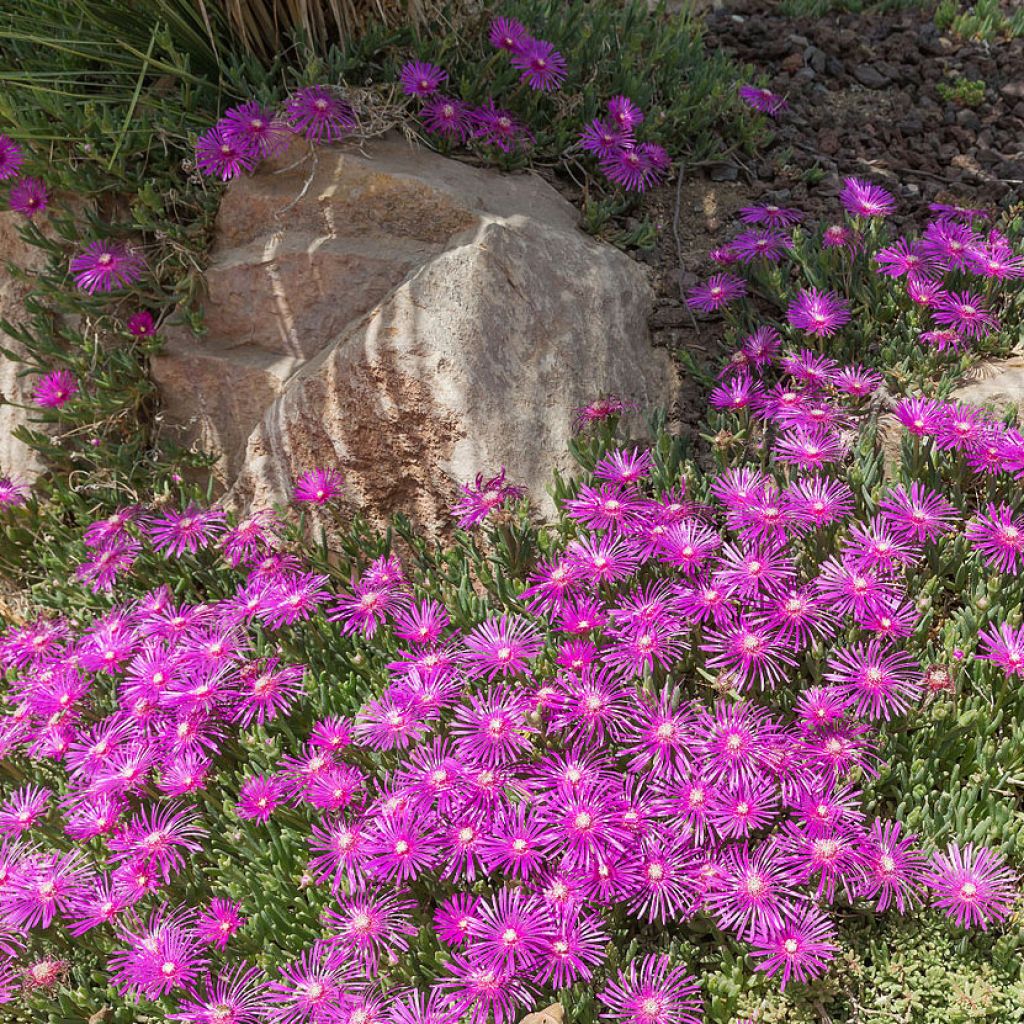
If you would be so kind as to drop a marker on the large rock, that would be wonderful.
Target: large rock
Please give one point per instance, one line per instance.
(998, 385)
(408, 319)
(17, 460)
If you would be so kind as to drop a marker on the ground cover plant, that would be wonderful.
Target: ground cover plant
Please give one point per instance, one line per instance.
(738, 737)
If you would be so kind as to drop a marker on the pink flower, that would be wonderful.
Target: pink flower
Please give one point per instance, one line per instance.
(718, 291)
(221, 920)
(28, 196)
(55, 389)
(820, 313)
(543, 67)
(419, 78)
(762, 100)
(319, 114)
(865, 199)
(972, 884)
(105, 265)
(651, 991)
(480, 498)
(318, 486)
(801, 949)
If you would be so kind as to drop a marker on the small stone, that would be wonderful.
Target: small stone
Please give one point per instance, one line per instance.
(553, 1014)
(723, 171)
(816, 59)
(793, 63)
(870, 77)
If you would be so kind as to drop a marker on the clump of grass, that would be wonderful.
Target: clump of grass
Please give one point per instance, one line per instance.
(984, 20)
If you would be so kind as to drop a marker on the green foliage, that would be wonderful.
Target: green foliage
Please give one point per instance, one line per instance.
(985, 20)
(964, 91)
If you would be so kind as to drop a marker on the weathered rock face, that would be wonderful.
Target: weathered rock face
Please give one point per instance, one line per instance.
(17, 460)
(409, 320)
(998, 385)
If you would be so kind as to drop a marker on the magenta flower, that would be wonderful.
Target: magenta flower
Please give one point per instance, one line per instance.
(966, 313)
(998, 536)
(454, 916)
(878, 681)
(604, 139)
(28, 196)
(141, 324)
(508, 34)
(236, 996)
(761, 244)
(543, 67)
(491, 729)
(481, 497)
(773, 216)
(319, 114)
(55, 389)
(309, 989)
(105, 265)
(448, 117)
(892, 865)
(482, 994)
(367, 926)
(221, 920)
(755, 892)
(635, 167)
(762, 100)
(972, 885)
(254, 131)
(718, 291)
(501, 647)
(162, 955)
(652, 991)
(801, 949)
(187, 530)
(748, 653)
(864, 199)
(418, 78)
(904, 259)
(11, 158)
(624, 113)
(12, 494)
(509, 931)
(259, 796)
(318, 486)
(499, 128)
(219, 155)
(1004, 645)
(817, 312)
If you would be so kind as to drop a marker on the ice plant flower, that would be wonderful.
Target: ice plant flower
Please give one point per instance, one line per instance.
(718, 291)
(28, 196)
(419, 78)
(763, 100)
(11, 158)
(972, 885)
(318, 486)
(105, 265)
(800, 949)
(219, 154)
(55, 389)
(652, 991)
(543, 68)
(482, 497)
(820, 313)
(864, 199)
(319, 114)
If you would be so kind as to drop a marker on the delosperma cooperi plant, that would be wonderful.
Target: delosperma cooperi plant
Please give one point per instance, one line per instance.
(242, 785)
(671, 720)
